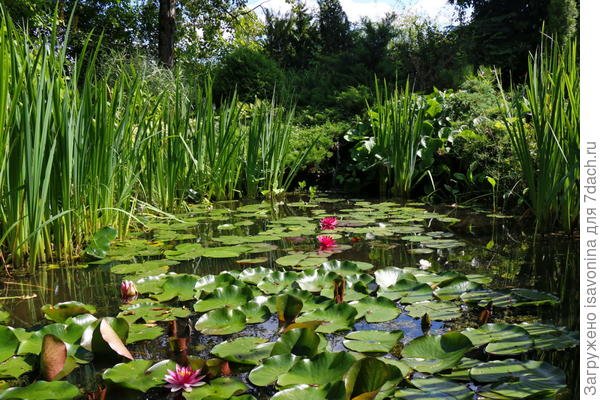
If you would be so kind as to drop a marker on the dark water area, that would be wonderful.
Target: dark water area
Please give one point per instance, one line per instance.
(502, 248)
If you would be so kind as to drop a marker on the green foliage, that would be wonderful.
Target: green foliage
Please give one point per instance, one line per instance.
(543, 126)
(249, 73)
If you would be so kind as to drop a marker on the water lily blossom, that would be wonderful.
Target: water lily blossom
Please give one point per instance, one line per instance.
(328, 223)
(128, 291)
(183, 378)
(326, 242)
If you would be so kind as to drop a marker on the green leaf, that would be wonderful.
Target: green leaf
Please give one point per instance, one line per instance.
(336, 317)
(150, 312)
(368, 376)
(433, 354)
(42, 390)
(139, 375)
(244, 350)
(222, 321)
(377, 309)
(330, 391)
(229, 296)
(8, 343)
(318, 370)
(217, 389)
(501, 339)
(100, 243)
(439, 311)
(179, 286)
(270, 369)
(372, 341)
(14, 367)
(61, 311)
(141, 332)
(300, 342)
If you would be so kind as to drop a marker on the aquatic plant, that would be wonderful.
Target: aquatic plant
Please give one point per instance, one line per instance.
(398, 124)
(326, 242)
(543, 126)
(183, 378)
(328, 223)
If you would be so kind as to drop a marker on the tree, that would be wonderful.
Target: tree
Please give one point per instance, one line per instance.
(334, 27)
(166, 33)
(504, 32)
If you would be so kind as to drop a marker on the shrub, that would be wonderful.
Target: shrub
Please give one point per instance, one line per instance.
(248, 71)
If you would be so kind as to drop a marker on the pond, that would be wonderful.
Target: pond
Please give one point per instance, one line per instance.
(264, 300)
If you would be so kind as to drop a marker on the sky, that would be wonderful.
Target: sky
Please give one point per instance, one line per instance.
(437, 10)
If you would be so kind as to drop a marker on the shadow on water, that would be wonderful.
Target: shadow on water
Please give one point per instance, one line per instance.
(501, 248)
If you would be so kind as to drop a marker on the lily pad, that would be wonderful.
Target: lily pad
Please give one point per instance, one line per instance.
(217, 389)
(330, 391)
(229, 296)
(8, 343)
(150, 312)
(372, 341)
(303, 342)
(61, 311)
(501, 339)
(271, 368)
(336, 317)
(141, 332)
(139, 375)
(548, 337)
(518, 379)
(318, 370)
(222, 321)
(179, 286)
(377, 309)
(42, 390)
(14, 367)
(433, 354)
(244, 350)
(437, 388)
(438, 311)
(100, 242)
(368, 376)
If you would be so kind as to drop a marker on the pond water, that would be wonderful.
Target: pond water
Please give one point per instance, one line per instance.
(486, 257)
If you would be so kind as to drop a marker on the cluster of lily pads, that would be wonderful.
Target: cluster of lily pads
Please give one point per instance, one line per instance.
(308, 328)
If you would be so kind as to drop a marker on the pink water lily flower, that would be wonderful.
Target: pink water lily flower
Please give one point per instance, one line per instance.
(329, 223)
(183, 378)
(326, 242)
(128, 291)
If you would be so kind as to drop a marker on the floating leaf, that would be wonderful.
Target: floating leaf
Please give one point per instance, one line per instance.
(141, 332)
(42, 390)
(433, 354)
(139, 375)
(372, 341)
(330, 391)
(222, 321)
(367, 377)
(179, 286)
(336, 317)
(547, 337)
(100, 242)
(321, 369)
(501, 339)
(271, 368)
(14, 367)
(61, 311)
(303, 342)
(217, 389)
(244, 350)
(151, 312)
(377, 309)
(229, 296)
(438, 311)
(8, 343)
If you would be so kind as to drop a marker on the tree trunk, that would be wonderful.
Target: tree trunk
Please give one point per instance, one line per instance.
(166, 32)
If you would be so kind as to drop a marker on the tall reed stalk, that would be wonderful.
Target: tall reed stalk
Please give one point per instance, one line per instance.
(79, 150)
(397, 121)
(543, 126)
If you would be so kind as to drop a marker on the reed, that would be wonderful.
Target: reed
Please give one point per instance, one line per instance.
(398, 123)
(543, 125)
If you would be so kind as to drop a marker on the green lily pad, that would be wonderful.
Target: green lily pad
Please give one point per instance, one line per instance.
(209, 283)
(438, 311)
(336, 317)
(454, 288)
(141, 332)
(254, 275)
(267, 372)
(501, 339)
(318, 370)
(100, 242)
(179, 286)
(300, 342)
(229, 296)
(139, 375)
(317, 280)
(42, 390)
(377, 309)
(222, 321)
(217, 389)
(14, 367)
(372, 341)
(433, 354)
(368, 376)
(150, 312)
(516, 379)
(440, 387)
(8, 343)
(244, 350)
(548, 337)
(277, 281)
(255, 312)
(483, 297)
(61, 311)
(531, 297)
(330, 391)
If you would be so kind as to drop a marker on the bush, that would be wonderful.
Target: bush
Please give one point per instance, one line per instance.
(248, 71)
